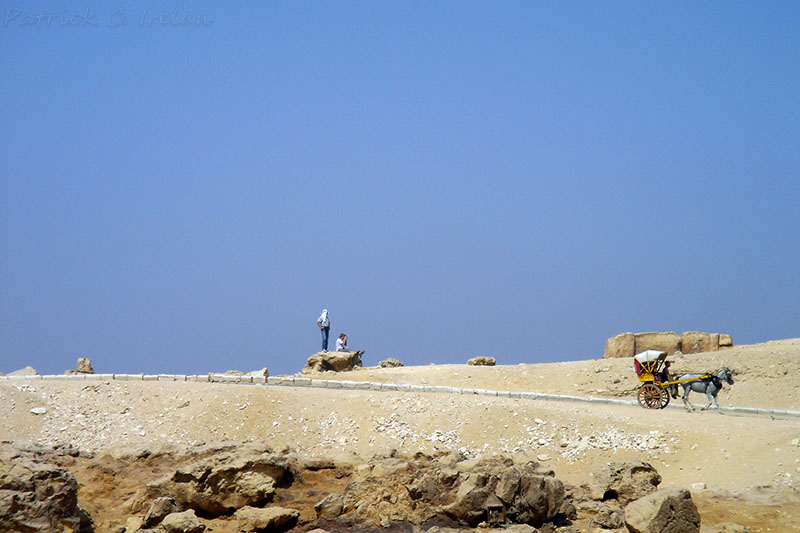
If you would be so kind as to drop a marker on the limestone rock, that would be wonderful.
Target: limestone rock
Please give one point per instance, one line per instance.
(418, 490)
(335, 361)
(622, 345)
(529, 496)
(268, 519)
(263, 372)
(133, 524)
(470, 503)
(624, 482)
(224, 483)
(482, 360)
(628, 344)
(602, 515)
(84, 366)
(390, 363)
(669, 342)
(185, 522)
(330, 506)
(159, 509)
(696, 342)
(27, 371)
(38, 496)
(666, 510)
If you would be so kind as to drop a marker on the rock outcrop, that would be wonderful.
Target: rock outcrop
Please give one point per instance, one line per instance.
(624, 482)
(330, 506)
(482, 360)
(604, 515)
(38, 496)
(422, 489)
(335, 361)
(390, 363)
(84, 366)
(629, 344)
(159, 509)
(224, 483)
(666, 510)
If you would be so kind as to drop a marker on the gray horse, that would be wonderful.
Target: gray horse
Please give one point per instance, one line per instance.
(709, 385)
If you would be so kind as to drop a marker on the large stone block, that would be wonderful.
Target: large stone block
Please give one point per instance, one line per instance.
(336, 361)
(624, 481)
(621, 345)
(669, 510)
(669, 342)
(84, 366)
(696, 342)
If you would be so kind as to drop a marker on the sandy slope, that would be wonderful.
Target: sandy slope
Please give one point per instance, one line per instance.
(750, 460)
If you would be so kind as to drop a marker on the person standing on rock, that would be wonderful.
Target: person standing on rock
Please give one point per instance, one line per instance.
(324, 324)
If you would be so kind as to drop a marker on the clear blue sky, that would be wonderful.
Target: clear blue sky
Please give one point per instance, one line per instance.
(515, 179)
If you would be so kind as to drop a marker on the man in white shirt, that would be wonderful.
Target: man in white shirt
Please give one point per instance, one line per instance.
(324, 324)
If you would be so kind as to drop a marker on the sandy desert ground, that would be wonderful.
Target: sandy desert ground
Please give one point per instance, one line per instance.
(741, 468)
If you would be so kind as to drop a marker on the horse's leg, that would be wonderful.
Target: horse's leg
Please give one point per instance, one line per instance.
(716, 402)
(710, 398)
(685, 397)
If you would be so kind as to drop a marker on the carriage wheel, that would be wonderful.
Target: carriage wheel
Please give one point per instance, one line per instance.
(653, 397)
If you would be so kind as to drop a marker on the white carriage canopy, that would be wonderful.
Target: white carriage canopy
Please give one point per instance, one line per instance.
(648, 356)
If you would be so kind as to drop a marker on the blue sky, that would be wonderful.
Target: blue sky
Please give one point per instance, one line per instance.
(515, 179)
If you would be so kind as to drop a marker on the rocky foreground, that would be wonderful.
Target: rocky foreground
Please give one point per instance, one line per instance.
(252, 488)
(152, 456)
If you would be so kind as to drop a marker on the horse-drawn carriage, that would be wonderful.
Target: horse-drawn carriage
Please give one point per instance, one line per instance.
(656, 385)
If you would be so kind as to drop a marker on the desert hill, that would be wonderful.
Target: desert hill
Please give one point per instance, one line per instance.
(741, 468)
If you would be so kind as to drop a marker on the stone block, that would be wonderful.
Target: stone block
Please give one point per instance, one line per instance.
(669, 342)
(697, 342)
(622, 345)
(664, 510)
(84, 366)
